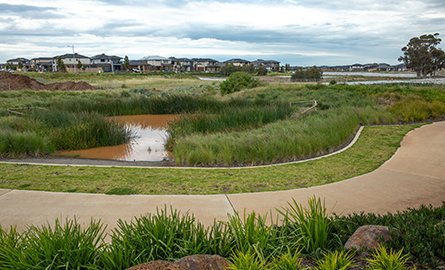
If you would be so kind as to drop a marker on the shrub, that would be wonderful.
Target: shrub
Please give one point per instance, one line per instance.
(62, 247)
(307, 75)
(312, 226)
(166, 235)
(238, 81)
(250, 260)
(287, 261)
(418, 231)
(383, 260)
(337, 260)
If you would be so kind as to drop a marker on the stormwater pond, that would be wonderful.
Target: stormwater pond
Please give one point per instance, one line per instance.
(149, 134)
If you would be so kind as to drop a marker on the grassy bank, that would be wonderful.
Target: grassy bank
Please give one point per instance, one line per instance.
(375, 146)
(307, 239)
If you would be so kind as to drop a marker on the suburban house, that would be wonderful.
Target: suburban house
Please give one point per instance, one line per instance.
(237, 62)
(357, 67)
(270, 65)
(108, 63)
(157, 63)
(140, 66)
(72, 60)
(206, 65)
(42, 64)
(19, 63)
(181, 64)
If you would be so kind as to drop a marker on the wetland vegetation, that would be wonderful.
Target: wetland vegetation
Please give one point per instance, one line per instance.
(255, 126)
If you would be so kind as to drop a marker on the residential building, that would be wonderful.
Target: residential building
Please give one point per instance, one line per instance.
(157, 63)
(206, 65)
(270, 65)
(357, 67)
(237, 62)
(71, 61)
(181, 64)
(42, 64)
(108, 63)
(19, 63)
(140, 66)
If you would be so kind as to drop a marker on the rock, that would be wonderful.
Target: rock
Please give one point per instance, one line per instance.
(156, 265)
(194, 262)
(203, 262)
(368, 237)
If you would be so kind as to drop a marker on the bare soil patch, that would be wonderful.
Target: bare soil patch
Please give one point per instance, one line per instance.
(9, 81)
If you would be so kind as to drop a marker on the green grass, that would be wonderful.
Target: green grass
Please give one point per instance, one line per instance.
(376, 145)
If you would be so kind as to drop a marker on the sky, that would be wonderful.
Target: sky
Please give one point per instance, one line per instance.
(306, 32)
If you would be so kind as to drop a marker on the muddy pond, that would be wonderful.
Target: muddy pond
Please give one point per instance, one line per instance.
(149, 134)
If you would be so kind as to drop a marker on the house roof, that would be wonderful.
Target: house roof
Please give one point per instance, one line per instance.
(104, 56)
(70, 55)
(180, 59)
(261, 61)
(236, 60)
(20, 59)
(43, 58)
(204, 60)
(154, 58)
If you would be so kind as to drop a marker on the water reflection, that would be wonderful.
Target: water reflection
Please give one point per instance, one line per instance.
(149, 134)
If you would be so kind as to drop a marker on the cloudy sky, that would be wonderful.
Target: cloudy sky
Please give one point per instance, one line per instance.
(298, 32)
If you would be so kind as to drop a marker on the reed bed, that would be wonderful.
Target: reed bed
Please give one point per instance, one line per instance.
(280, 141)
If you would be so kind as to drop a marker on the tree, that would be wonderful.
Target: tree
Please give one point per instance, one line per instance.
(126, 63)
(60, 65)
(422, 55)
(79, 65)
(20, 66)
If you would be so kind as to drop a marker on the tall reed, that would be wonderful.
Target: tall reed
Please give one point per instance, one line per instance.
(280, 141)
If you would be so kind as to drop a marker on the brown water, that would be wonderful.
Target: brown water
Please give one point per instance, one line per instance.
(149, 136)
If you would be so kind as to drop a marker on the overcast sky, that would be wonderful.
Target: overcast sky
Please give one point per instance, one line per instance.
(306, 32)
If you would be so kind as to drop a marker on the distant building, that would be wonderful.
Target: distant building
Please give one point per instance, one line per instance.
(357, 67)
(42, 64)
(181, 64)
(71, 61)
(108, 63)
(19, 63)
(206, 65)
(237, 62)
(270, 65)
(157, 63)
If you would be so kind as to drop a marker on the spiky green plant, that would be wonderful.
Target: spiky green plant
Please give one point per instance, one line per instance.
(337, 260)
(287, 261)
(310, 226)
(248, 260)
(383, 259)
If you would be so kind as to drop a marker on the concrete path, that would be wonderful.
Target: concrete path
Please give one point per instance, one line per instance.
(415, 175)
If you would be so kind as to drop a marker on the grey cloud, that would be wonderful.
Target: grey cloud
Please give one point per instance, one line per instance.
(27, 11)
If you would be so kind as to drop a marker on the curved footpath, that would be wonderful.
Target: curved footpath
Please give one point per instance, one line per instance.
(415, 175)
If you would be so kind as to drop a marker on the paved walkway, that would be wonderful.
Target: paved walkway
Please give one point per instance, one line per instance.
(415, 175)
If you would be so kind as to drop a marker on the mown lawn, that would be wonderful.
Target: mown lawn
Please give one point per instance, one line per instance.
(376, 145)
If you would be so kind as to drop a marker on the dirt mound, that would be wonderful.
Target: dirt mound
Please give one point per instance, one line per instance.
(9, 81)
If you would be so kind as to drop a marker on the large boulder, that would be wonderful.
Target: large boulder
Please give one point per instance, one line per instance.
(203, 262)
(194, 262)
(156, 265)
(368, 237)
